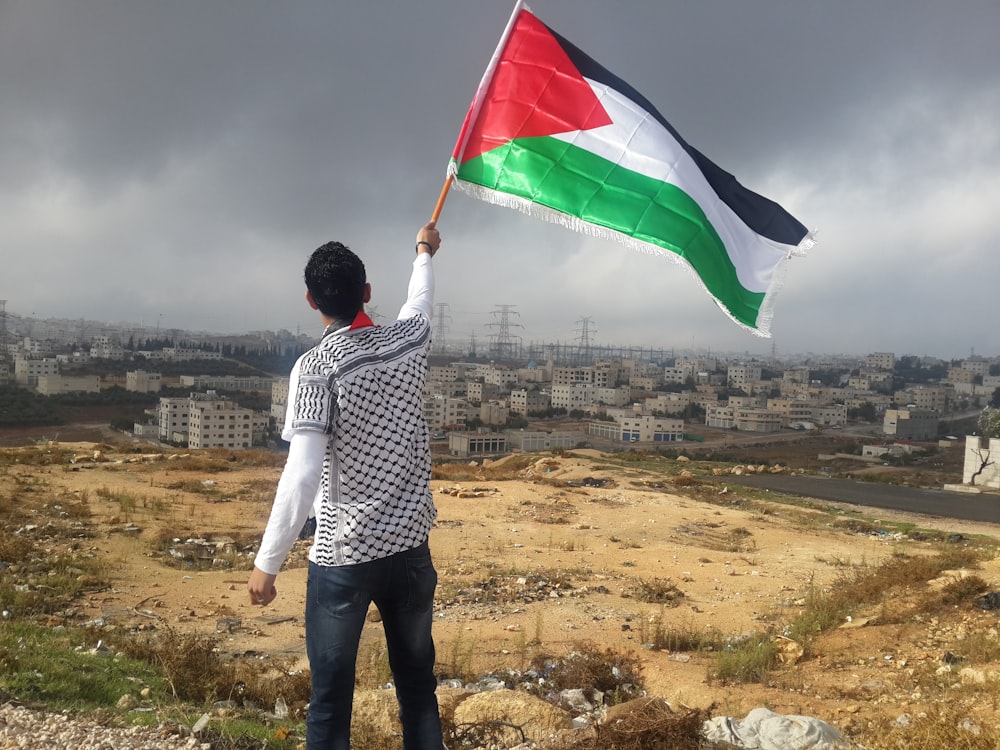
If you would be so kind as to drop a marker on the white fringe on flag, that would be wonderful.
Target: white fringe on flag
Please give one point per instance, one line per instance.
(535, 210)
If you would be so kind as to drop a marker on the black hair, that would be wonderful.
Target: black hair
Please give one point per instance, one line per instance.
(335, 277)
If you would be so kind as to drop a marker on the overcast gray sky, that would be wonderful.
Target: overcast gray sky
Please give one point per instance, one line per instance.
(176, 162)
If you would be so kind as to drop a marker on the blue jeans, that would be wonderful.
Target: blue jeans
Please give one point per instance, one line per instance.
(337, 598)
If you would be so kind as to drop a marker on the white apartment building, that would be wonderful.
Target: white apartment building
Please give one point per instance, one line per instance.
(441, 412)
(477, 392)
(606, 373)
(745, 402)
(743, 376)
(27, 371)
(466, 444)
(442, 374)
(639, 428)
(962, 375)
(4, 373)
(501, 377)
(140, 381)
(977, 366)
(721, 416)
(217, 422)
(246, 383)
(572, 397)
(911, 424)
(668, 403)
(830, 415)
(180, 353)
(855, 400)
(279, 402)
(174, 416)
(936, 397)
(106, 347)
(619, 396)
(494, 412)
(52, 385)
(792, 410)
(524, 402)
(447, 388)
(754, 419)
(565, 376)
(533, 374)
(881, 360)
(676, 375)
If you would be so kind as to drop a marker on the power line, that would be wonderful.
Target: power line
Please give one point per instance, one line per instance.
(441, 319)
(502, 344)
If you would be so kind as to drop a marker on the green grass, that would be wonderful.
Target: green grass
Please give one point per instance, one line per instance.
(63, 670)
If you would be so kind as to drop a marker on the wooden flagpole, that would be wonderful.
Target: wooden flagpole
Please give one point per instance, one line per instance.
(441, 198)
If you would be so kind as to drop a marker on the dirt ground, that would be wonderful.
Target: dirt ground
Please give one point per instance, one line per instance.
(557, 556)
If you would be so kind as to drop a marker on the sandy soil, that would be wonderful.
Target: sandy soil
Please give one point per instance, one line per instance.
(540, 562)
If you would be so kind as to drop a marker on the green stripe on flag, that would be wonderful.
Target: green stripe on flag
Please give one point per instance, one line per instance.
(570, 180)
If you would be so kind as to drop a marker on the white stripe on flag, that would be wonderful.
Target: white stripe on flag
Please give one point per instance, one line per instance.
(637, 142)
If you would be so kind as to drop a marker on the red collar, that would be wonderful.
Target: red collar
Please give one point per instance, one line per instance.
(361, 320)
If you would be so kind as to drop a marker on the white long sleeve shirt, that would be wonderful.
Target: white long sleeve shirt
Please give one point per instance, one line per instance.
(359, 454)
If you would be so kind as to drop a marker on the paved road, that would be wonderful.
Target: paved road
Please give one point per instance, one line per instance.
(958, 505)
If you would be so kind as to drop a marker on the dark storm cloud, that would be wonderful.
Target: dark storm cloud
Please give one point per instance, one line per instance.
(179, 160)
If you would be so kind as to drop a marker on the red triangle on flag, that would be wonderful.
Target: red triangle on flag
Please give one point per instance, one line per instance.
(536, 90)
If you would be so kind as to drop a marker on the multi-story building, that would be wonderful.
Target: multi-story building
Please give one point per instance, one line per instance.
(107, 347)
(881, 360)
(572, 397)
(174, 417)
(720, 415)
(441, 412)
(477, 391)
(792, 410)
(525, 402)
(566, 376)
(668, 403)
(676, 375)
(140, 381)
(217, 422)
(606, 373)
(927, 397)
(27, 371)
(830, 415)
(639, 428)
(494, 412)
(755, 419)
(743, 377)
(977, 366)
(178, 353)
(52, 385)
(911, 424)
(448, 374)
(619, 396)
(247, 383)
(279, 402)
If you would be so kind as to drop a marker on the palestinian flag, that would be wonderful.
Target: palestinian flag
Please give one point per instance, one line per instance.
(554, 134)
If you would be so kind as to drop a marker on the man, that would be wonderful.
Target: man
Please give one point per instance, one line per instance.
(359, 459)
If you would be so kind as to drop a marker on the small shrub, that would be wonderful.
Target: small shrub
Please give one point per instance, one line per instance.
(616, 674)
(749, 659)
(657, 591)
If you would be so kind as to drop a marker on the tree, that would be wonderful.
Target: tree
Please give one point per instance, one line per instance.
(995, 400)
(989, 423)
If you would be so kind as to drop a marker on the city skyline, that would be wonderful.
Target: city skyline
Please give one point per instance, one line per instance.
(71, 330)
(175, 163)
